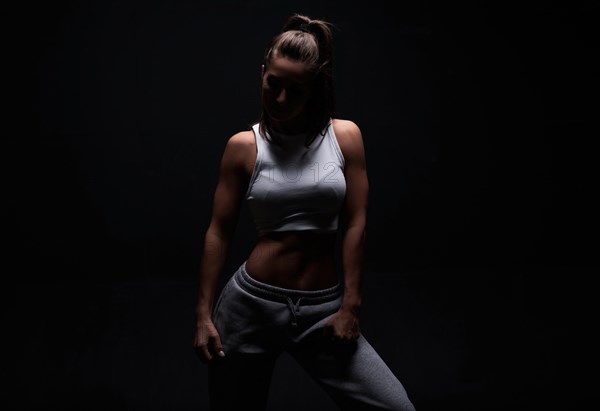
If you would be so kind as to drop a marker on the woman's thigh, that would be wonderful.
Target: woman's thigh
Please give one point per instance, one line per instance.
(352, 373)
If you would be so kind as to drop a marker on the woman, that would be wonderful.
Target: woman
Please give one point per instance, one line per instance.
(303, 174)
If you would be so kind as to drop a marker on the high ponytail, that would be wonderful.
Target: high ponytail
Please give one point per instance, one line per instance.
(309, 41)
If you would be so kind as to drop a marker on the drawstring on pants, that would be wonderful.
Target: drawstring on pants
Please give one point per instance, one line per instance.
(295, 309)
(278, 294)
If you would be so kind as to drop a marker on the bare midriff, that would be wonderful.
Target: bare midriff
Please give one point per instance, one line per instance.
(299, 260)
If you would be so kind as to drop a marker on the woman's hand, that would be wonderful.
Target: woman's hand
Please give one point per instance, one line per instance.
(207, 342)
(343, 326)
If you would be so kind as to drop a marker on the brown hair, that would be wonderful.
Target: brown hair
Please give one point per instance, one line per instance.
(309, 41)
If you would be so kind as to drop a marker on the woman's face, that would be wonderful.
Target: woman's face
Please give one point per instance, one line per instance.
(286, 87)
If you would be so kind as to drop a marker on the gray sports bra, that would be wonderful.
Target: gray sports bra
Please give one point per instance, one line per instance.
(295, 188)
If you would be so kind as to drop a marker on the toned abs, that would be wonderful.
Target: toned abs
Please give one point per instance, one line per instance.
(301, 260)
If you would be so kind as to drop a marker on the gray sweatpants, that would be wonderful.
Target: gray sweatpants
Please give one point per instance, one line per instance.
(257, 322)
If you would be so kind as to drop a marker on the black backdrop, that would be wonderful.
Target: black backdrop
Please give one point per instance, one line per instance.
(478, 122)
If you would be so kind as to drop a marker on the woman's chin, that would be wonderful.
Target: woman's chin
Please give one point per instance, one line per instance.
(280, 116)
(284, 117)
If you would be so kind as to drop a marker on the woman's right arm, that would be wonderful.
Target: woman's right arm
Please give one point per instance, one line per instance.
(231, 186)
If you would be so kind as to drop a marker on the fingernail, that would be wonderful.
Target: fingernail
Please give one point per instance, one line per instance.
(221, 354)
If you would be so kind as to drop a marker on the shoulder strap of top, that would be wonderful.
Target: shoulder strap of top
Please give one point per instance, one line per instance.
(334, 142)
(259, 154)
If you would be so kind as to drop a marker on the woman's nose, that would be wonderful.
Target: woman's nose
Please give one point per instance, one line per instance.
(281, 97)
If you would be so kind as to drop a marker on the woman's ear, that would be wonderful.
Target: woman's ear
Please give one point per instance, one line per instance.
(262, 70)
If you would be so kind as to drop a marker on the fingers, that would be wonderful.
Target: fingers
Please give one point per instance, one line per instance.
(201, 349)
(207, 349)
(337, 336)
(346, 337)
(218, 345)
(205, 354)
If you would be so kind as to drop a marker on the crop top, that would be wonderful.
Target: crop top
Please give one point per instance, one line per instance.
(294, 187)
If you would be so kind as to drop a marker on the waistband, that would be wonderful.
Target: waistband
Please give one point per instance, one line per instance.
(273, 293)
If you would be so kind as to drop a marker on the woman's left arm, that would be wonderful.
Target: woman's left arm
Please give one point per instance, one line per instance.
(344, 324)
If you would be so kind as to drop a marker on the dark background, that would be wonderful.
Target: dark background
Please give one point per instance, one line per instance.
(478, 121)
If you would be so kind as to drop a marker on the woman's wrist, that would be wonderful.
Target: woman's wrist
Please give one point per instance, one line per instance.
(352, 305)
(352, 297)
(203, 312)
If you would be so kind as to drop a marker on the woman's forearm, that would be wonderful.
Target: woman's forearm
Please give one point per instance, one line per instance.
(353, 247)
(214, 255)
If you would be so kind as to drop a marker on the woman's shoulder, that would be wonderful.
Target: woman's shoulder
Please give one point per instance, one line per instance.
(242, 139)
(347, 133)
(344, 125)
(240, 146)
